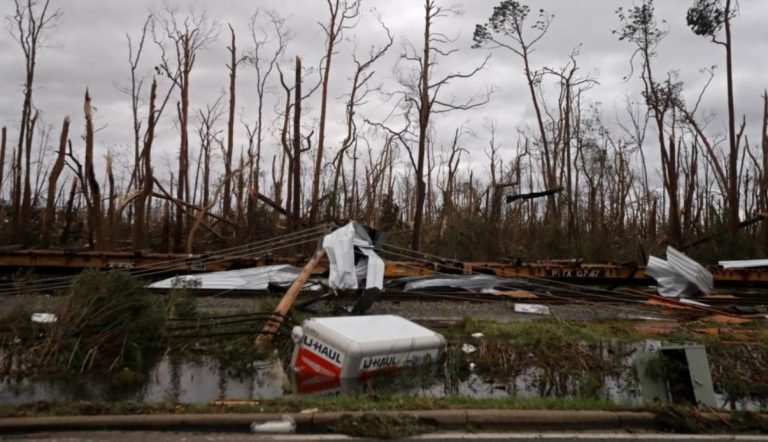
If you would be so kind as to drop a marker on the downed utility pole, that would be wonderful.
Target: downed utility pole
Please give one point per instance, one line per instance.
(528, 196)
(759, 217)
(271, 327)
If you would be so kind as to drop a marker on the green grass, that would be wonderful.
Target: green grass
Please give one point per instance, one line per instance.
(295, 404)
(549, 328)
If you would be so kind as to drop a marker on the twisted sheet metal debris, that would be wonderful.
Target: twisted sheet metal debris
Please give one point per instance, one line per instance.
(347, 269)
(679, 275)
(255, 278)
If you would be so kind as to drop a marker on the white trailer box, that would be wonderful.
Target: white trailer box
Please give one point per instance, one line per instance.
(360, 346)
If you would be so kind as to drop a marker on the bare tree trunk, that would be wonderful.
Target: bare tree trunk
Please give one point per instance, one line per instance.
(424, 114)
(186, 38)
(338, 14)
(240, 193)
(68, 215)
(227, 208)
(183, 181)
(26, 202)
(764, 175)
(113, 222)
(28, 23)
(53, 178)
(733, 155)
(427, 100)
(263, 68)
(135, 91)
(296, 157)
(3, 140)
(140, 233)
(95, 216)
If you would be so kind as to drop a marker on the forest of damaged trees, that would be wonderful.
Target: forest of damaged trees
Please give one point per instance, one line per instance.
(603, 198)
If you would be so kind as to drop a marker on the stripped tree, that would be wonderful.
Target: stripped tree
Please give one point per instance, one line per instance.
(707, 18)
(509, 28)
(29, 24)
(53, 178)
(340, 12)
(424, 95)
(357, 95)
(3, 141)
(98, 239)
(183, 39)
(264, 64)
(235, 60)
(638, 26)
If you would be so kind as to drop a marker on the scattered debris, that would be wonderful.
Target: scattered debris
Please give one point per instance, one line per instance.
(286, 425)
(692, 302)
(382, 426)
(352, 259)
(255, 278)
(43, 318)
(235, 402)
(677, 374)
(679, 275)
(477, 335)
(534, 309)
(517, 294)
(473, 283)
(486, 284)
(468, 348)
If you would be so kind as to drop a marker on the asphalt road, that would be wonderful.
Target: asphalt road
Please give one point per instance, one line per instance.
(121, 436)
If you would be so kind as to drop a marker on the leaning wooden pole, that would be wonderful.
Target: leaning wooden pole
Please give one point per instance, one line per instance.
(271, 327)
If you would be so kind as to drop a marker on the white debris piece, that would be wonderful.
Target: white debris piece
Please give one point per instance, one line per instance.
(477, 335)
(287, 425)
(340, 246)
(692, 302)
(255, 278)
(468, 348)
(44, 318)
(744, 263)
(535, 309)
(679, 275)
(473, 283)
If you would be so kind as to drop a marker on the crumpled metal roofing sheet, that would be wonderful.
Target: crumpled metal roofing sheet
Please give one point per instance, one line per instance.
(255, 278)
(679, 275)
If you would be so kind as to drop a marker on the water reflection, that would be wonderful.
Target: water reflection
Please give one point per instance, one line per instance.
(173, 379)
(205, 380)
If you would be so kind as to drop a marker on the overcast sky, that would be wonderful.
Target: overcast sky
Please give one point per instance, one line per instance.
(88, 50)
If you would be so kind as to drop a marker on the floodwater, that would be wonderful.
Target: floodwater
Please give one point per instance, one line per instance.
(204, 380)
(190, 381)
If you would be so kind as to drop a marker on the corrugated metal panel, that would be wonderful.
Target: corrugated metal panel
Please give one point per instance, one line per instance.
(679, 275)
(691, 270)
(256, 278)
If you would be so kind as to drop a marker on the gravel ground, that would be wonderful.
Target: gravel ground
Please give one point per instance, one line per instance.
(501, 311)
(38, 303)
(492, 311)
